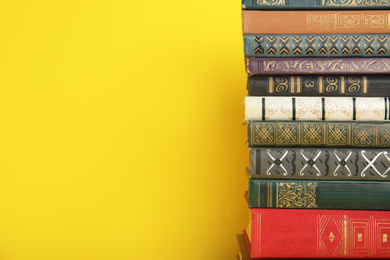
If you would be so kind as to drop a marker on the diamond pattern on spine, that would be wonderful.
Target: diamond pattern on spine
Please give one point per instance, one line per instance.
(345, 44)
(356, 48)
(322, 45)
(259, 48)
(284, 43)
(382, 44)
(333, 44)
(297, 41)
(272, 40)
(369, 45)
(310, 40)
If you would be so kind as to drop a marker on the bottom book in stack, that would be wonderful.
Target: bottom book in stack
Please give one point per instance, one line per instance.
(307, 233)
(243, 253)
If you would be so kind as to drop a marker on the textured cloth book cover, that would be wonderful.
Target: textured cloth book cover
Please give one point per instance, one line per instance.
(282, 233)
(315, 4)
(320, 66)
(321, 194)
(319, 134)
(321, 45)
(317, 108)
(316, 22)
(319, 164)
(314, 85)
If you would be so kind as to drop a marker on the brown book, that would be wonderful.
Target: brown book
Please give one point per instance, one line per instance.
(315, 22)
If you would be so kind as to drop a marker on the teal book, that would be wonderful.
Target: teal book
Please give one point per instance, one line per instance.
(362, 195)
(316, 4)
(317, 45)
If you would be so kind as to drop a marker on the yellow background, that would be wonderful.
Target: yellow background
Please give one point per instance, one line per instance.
(121, 134)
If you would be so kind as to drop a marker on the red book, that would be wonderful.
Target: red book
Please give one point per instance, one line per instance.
(301, 233)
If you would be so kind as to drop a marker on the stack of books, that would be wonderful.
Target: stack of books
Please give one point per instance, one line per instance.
(317, 112)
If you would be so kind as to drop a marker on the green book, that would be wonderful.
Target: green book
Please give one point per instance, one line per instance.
(362, 195)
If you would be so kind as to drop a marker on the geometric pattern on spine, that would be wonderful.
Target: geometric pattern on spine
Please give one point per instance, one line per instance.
(264, 133)
(322, 49)
(271, 44)
(296, 195)
(259, 48)
(297, 40)
(382, 42)
(338, 134)
(321, 45)
(287, 134)
(312, 133)
(333, 45)
(384, 135)
(356, 44)
(356, 164)
(310, 41)
(363, 135)
(345, 44)
(319, 133)
(332, 235)
(284, 43)
(369, 47)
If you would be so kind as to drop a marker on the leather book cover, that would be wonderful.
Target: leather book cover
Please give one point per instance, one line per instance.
(244, 252)
(315, 85)
(315, 4)
(301, 233)
(319, 164)
(319, 66)
(317, 45)
(317, 108)
(319, 194)
(318, 134)
(316, 22)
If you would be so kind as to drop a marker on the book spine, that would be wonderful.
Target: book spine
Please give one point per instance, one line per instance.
(316, 22)
(318, 134)
(319, 66)
(317, 108)
(332, 85)
(319, 164)
(325, 45)
(282, 233)
(315, 4)
(320, 194)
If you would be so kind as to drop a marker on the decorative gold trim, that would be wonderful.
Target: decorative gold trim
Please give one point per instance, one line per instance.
(259, 231)
(299, 87)
(271, 85)
(321, 85)
(342, 87)
(292, 84)
(345, 235)
(364, 84)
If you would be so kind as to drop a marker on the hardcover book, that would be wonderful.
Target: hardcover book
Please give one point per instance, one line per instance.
(320, 45)
(315, 4)
(314, 85)
(293, 233)
(319, 164)
(317, 108)
(318, 134)
(319, 194)
(244, 253)
(319, 66)
(315, 22)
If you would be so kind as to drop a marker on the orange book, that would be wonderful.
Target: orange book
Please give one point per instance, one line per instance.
(315, 22)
